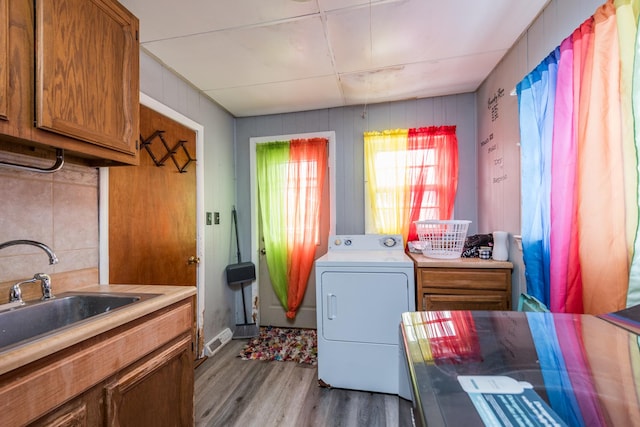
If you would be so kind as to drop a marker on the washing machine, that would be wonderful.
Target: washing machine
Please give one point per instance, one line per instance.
(363, 285)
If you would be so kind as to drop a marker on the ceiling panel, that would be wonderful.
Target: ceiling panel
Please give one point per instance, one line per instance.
(426, 79)
(410, 32)
(257, 57)
(249, 56)
(164, 19)
(295, 95)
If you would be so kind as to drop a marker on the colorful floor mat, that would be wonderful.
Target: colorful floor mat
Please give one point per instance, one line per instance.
(283, 344)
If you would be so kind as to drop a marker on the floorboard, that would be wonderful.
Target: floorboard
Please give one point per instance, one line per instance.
(232, 392)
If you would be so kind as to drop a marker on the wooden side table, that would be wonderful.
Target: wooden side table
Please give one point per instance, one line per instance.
(462, 284)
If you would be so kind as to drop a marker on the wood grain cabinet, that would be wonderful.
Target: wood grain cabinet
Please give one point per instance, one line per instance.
(4, 57)
(462, 284)
(80, 91)
(85, 410)
(157, 391)
(138, 374)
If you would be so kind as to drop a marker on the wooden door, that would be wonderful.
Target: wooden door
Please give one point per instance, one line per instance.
(271, 311)
(152, 209)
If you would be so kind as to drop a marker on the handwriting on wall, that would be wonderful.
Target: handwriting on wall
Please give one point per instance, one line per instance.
(492, 147)
(493, 104)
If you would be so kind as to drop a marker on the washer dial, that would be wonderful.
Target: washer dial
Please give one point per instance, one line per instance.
(389, 242)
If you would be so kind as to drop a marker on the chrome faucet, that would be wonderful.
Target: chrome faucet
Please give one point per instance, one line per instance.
(45, 280)
(15, 295)
(53, 259)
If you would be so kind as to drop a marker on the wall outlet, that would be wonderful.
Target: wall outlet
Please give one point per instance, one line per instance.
(208, 218)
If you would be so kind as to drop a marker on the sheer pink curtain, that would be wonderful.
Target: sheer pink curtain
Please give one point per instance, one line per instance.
(437, 150)
(307, 168)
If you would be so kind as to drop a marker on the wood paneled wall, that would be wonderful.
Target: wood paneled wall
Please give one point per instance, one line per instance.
(349, 123)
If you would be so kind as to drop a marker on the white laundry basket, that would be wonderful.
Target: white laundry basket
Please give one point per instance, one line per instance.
(442, 238)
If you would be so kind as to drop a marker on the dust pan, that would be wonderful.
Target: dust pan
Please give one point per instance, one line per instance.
(241, 273)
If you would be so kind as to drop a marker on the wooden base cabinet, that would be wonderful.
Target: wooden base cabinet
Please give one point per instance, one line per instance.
(462, 284)
(139, 374)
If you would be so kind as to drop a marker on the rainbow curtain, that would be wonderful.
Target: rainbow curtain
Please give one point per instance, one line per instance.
(579, 166)
(291, 177)
(406, 170)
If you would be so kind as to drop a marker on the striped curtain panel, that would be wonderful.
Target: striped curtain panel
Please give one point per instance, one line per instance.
(579, 166)
(291, 177)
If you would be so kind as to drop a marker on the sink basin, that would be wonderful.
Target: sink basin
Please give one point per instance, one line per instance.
(37, 319)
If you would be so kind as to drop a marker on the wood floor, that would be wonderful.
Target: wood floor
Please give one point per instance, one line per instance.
(231, 392)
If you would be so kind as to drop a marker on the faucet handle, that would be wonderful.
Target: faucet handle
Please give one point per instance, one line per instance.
(15, 294)
(45, 283)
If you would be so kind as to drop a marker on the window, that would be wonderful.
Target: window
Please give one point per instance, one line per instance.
(411, 174)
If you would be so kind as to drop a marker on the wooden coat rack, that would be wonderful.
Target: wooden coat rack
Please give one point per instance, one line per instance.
(146, 143)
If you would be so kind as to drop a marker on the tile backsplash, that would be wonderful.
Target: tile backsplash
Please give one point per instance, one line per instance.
(59, 209)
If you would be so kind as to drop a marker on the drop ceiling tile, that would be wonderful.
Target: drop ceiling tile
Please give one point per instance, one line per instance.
(426, 79)
(284, 97)
(415, 30)
(329, 5)
(249, 56)
(402, 45)
(163, 19)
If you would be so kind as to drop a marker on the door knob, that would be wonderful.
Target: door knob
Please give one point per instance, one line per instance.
(193, 260)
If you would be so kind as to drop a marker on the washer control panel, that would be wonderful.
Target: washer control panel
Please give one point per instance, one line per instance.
(366, 242)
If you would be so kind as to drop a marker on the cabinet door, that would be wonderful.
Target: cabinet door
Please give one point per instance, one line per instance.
(85, 410)
(87, 66)
(4, 57)
(155, 392)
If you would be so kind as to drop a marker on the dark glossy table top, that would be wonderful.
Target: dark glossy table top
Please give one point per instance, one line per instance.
(470, 368)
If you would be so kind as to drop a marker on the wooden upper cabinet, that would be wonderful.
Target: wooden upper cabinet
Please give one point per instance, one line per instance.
(87, 72)
(80, 91)
(4, 57)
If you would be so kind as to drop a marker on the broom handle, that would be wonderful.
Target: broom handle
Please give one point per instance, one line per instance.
(235, 226)
(244, 304)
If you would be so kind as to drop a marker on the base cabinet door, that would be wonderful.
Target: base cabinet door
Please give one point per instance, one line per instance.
(157, 391)
(86, 410)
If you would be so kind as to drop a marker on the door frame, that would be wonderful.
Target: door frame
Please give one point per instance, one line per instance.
(255, 244)
(104, 211)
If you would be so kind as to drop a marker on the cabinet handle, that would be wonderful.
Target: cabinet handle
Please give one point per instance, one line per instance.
(332, 306)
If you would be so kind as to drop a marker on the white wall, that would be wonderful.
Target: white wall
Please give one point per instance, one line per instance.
(166, 87)
(498, 137)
